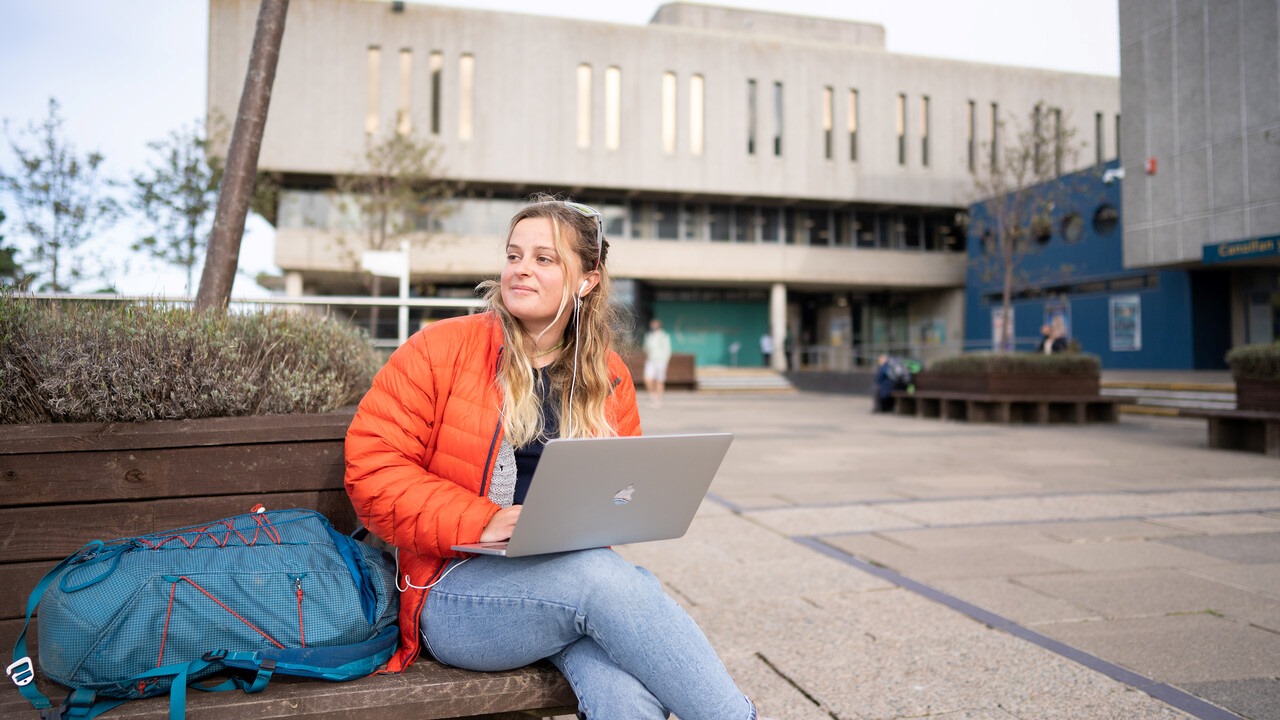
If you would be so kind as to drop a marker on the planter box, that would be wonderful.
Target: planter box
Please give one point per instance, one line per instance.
(110, 480)
(681, 371)
(1258, 395)
(1006, 384)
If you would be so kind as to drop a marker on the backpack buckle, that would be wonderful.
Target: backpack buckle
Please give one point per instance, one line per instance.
(21, 671)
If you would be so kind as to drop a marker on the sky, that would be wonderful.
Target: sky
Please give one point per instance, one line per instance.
(129, 72)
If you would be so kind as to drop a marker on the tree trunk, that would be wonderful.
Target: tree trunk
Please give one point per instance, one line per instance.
(236, 194)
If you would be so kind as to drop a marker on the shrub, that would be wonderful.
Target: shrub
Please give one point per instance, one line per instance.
(1255, 362)
(111, 362)
(989, 363)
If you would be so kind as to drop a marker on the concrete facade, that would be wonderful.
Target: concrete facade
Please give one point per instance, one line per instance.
(1200, 88)
(653, 124)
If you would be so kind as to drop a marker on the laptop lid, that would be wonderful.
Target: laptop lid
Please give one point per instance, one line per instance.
(596, 492)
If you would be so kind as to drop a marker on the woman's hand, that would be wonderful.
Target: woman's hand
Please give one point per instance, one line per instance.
(501, 525)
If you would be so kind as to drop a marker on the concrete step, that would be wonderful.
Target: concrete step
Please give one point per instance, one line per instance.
(728, 379)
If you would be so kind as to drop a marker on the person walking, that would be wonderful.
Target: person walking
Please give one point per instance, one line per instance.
(657, 355)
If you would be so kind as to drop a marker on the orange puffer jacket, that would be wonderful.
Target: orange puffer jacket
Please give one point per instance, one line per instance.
(421, 448)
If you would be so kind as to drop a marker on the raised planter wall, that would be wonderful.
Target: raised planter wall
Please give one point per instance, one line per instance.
(122, 479)
(1005, 384)
(1258, 395)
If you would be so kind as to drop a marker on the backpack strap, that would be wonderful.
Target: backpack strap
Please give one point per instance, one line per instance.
(335, 662)
(21, 670)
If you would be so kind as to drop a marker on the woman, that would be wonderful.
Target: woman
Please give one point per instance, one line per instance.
(441, 452)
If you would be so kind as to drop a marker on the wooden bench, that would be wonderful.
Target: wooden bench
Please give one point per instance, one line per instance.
(1007, 409)
(1249, 430)
(681, 371)
(63, 485)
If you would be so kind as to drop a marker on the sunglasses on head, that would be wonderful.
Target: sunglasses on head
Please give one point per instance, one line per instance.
(588, 211)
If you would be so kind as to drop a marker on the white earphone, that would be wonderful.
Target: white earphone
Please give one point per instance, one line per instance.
(582, 289)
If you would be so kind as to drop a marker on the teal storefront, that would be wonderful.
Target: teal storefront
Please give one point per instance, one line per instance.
(711, 330)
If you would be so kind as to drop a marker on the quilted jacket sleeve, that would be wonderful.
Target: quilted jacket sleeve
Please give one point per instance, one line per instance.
(622, 403)
(390, 444)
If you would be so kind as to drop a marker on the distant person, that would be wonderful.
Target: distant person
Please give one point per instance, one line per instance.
(657, 355)
(885, 386)
(1051, 341)
(766, 348)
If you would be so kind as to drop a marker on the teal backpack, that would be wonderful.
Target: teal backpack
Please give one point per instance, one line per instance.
(267, 592)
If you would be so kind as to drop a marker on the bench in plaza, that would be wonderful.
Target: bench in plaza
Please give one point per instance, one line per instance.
(65, 485)
(1006, 409)
(1249, 430)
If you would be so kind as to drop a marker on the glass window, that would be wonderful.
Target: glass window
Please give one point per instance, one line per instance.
(1037, 136)
(828, 122)
(995, 136)
(436, 65)
(666, 219)
(696, 115)
(584, 106)
(842, 224)
(693, 217)
(1097, 138)
(924, 130)
(777, 118)
(1105, 219)
(912, 232)
(466, 99)
(669, 113)
(853, 125)
(817, 225)
(371, 118)
(613, 108)
(1072, 228)
(615, 219)
(769, 224)
(719, 220)
(744, 224)
(900, 124)
(751, 117)
(404, 122)
(1059, 137)
(864, 229)
(641, 220)
(971, 136)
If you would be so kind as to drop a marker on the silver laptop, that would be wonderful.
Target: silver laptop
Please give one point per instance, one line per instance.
(596, 492)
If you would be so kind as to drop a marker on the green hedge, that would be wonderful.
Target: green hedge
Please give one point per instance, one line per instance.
(1255, 362)
(989, 363)
(126, 362)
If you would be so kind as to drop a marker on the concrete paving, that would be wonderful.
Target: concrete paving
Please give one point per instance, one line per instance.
(856, 566)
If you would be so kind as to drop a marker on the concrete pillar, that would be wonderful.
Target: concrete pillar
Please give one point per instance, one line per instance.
(778, 325)
(293, 284)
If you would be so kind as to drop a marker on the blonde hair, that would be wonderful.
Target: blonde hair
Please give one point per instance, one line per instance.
(579, 376)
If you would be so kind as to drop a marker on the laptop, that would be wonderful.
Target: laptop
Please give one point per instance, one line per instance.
(596, 492)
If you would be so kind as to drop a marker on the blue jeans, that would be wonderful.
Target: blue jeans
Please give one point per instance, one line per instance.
(627, 649)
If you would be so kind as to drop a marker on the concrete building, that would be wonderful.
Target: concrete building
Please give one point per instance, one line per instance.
(759, 173)
(1200, 89)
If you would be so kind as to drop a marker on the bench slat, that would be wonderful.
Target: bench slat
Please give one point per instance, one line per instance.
(47, 533)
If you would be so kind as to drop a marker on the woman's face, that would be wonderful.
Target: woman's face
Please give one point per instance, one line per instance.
(533, 278)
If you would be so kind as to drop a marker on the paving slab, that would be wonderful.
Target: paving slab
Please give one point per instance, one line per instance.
(936, 564)
(1250, 549)
(1178, 648)
(1155, 592)
(1234, 523)
(1010, 599)
(1128, 554)
(1253, 698)
(1259, 578)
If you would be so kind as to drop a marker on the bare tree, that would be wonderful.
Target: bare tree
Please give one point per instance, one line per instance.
(399, 191)
(242, 159)
(1017, 187)
(61, 197)
(176, 196)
